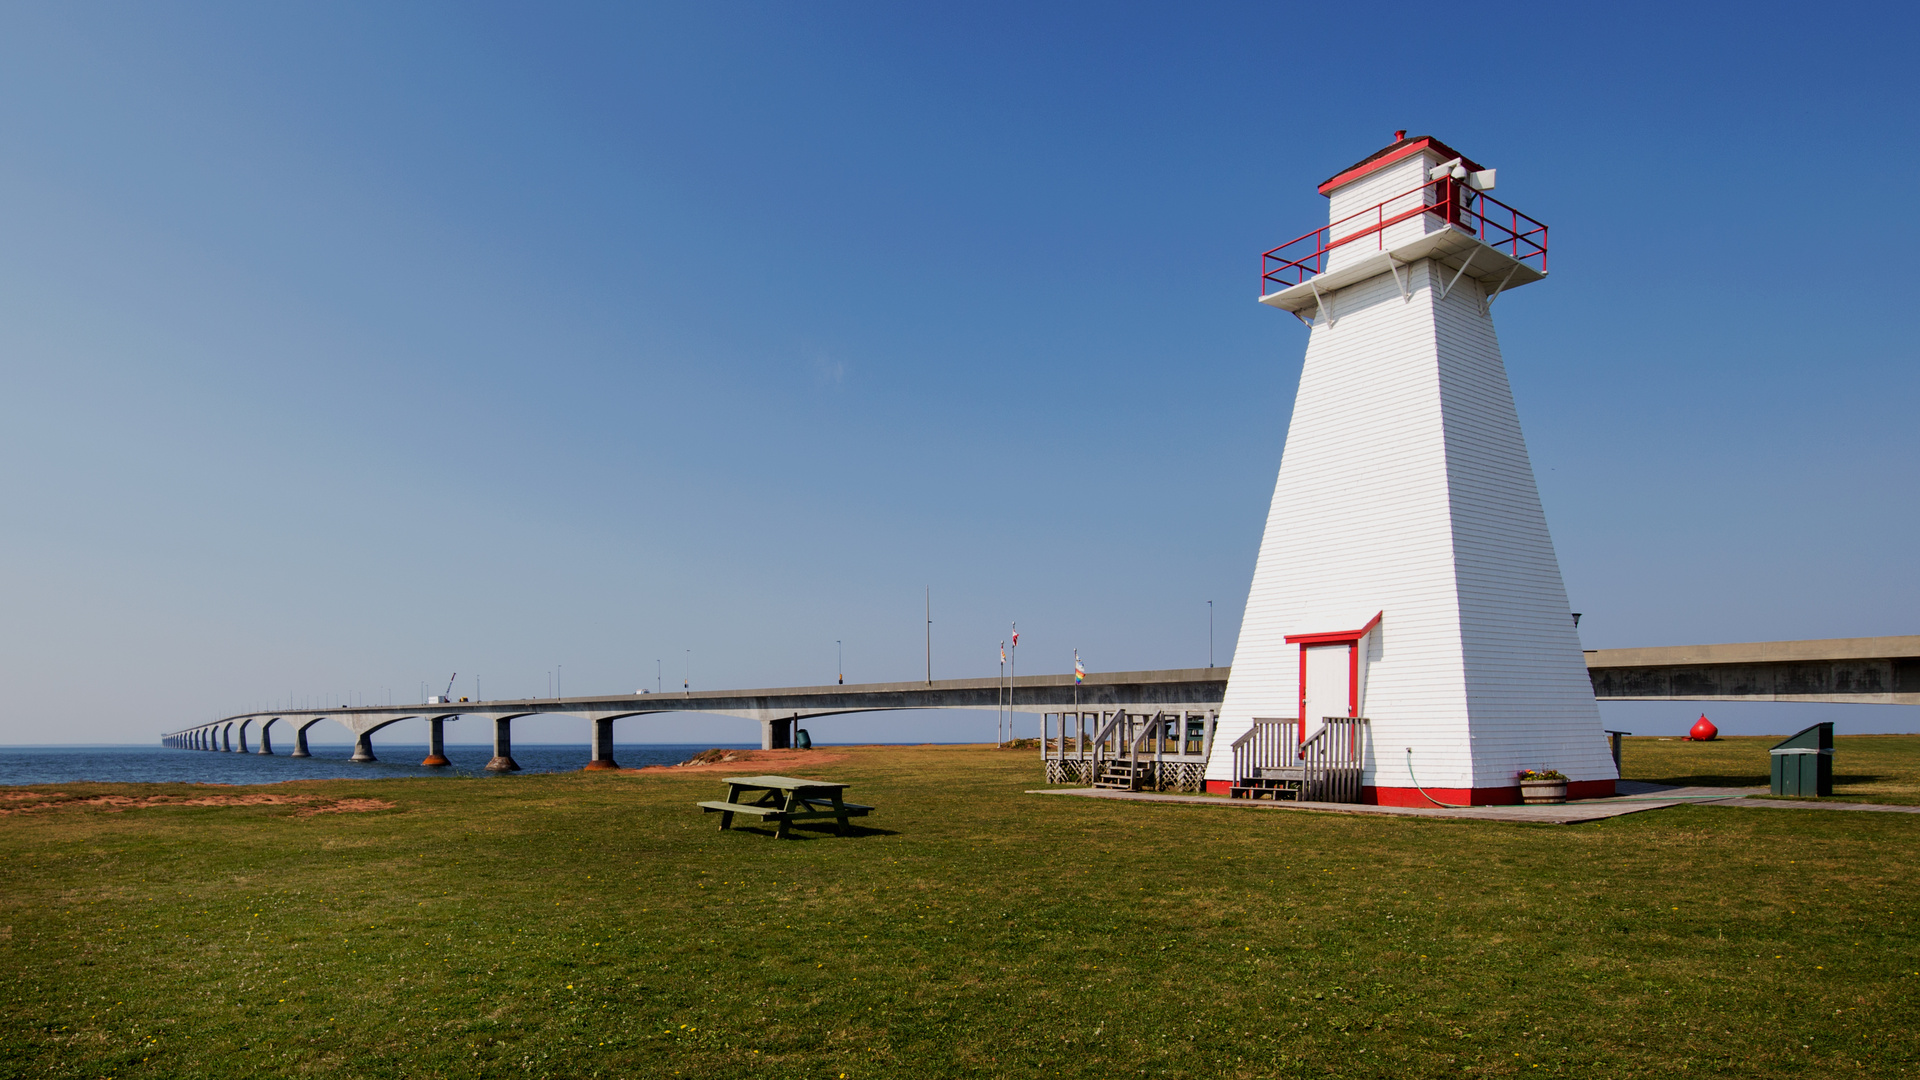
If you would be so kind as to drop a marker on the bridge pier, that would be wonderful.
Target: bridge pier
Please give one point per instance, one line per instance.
(243, 735)
(503, 746)
(436, 743)
(363, 747)
(777, 734)
(603, 746)
(266, 744)
(226, 737)
(300, 738)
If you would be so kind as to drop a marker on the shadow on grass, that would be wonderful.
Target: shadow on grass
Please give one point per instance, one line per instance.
(1760, 780)
(1709, 780)
(1861, 778)
(822, 832)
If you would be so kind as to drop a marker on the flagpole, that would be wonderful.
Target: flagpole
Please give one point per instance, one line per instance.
(1000, 700)
(1013, 675)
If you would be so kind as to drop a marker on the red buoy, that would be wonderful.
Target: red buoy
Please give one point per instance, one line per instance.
(1703, 730)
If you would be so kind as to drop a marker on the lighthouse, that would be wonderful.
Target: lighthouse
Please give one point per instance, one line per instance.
(1407, 621)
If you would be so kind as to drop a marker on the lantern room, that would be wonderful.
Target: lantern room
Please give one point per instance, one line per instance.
(1416, 199)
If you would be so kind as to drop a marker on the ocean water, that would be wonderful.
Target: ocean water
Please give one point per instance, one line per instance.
(159, 764)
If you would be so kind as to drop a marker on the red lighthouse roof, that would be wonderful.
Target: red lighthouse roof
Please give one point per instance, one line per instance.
(1402, 149)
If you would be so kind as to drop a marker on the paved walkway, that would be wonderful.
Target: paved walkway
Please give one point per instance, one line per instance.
(1633, 798)
(1789, 804)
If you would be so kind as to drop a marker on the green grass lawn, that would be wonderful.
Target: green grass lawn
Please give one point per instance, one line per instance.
(598, 925)
(1866, 768)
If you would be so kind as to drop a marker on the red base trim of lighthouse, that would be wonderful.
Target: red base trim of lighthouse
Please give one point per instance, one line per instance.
(1483, 796)
(1406, 796)
(1486, 796)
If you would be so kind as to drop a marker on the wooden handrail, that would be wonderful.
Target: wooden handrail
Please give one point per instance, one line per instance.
(1331, 761)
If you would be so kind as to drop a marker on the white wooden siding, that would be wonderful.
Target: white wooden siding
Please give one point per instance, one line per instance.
(1396, 182)
(1405, 487)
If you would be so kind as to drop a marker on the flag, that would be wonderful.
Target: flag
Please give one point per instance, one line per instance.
(1079, 673)
(1003, 654)
(1016, 639)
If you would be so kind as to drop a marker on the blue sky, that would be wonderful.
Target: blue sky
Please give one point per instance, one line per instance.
(346, 346)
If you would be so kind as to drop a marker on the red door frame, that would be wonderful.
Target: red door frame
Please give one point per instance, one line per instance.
(1351, 639)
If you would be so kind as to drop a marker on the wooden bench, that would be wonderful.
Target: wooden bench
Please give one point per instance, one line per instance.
(765, 813)
(853, 809)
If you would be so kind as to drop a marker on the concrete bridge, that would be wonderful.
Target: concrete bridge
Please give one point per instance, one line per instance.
(1876, 670)
(778, 710)
(1870, 670)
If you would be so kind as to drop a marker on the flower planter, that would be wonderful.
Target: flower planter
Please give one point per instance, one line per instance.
(1537, 792)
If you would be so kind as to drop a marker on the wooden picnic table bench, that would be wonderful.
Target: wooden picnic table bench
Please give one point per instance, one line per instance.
(783, 800)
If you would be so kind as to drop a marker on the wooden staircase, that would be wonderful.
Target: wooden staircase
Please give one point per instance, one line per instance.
(1123, 774)
(1271, 762)
(1166, 750)
(1275, 784)
(1138, 752)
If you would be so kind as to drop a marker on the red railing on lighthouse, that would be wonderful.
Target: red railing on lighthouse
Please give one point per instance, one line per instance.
(1498, 225)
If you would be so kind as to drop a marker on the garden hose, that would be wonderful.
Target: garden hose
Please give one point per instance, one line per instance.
(1423, 791)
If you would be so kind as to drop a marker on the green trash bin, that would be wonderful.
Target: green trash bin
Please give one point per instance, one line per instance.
(1803, 764)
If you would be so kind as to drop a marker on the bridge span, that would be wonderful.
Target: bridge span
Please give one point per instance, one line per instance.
(1873, 670)
(778, 710)
(1868, 670)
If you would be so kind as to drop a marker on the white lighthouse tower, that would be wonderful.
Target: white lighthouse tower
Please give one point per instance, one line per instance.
(1406, 575)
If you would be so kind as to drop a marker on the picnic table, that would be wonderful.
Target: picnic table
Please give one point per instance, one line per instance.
(783, 800)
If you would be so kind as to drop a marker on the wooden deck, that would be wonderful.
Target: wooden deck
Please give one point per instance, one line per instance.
(1635, 798)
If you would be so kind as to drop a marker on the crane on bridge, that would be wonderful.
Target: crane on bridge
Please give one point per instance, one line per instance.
(446, 697)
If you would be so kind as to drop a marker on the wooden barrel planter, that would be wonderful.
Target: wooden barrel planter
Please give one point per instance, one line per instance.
(1536, 791)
